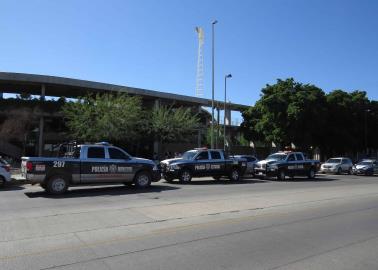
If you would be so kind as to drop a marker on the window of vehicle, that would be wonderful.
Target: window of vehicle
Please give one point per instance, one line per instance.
(346, 161)
(334, 160)
(366, 163)
(291, 157)
(115, 153)
(215, 155)
(299, 156)
(202, 156)
(188, 155)
(277, 157)
(96, 152)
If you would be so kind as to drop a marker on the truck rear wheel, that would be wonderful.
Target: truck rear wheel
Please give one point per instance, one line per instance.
(142, 180)
(57, 185)
(234, 174)
(311, 173)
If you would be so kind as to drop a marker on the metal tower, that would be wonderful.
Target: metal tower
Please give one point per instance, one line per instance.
(199, 78)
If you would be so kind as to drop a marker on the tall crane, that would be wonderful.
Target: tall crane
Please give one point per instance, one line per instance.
(199, 77)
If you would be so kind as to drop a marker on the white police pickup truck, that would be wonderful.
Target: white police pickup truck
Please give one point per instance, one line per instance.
(89, 164)
(286, 163)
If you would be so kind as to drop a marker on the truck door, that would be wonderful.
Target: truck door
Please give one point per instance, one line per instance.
(216, 163)
(120, 165)
(94, 168)
(291, 164)
(202, 164)
(301, 167)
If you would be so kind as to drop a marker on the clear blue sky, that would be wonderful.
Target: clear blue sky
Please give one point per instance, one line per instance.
(152, 43)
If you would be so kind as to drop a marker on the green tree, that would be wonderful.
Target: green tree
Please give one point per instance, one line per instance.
(346, 121)
(104, 117)
(172, 124)
(287, 112)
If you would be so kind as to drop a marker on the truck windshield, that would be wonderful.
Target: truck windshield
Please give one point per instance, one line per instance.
(334, 160)
(189, 154)
(365, 163)
(277, 157)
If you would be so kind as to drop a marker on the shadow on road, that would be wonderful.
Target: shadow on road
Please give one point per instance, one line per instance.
(223, 182)
(99, 191)
(11, 187)
(318, 178)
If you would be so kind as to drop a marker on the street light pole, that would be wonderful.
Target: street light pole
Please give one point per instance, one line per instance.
(212, 88)
(224, 109)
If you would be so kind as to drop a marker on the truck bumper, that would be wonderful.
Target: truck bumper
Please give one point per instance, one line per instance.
(34, 178)
(265, 173)
(156, 176)
(170, 174)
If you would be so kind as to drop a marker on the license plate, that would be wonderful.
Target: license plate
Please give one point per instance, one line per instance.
(260, 173)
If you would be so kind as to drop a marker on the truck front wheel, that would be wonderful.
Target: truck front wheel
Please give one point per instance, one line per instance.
(234, 174)
(185, 176)
(281, 175)
(57, 185)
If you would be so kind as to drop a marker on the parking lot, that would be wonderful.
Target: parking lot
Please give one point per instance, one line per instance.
(326, 223)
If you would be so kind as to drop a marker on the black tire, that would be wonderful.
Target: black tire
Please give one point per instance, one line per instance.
(281, 175)
(350, 171)
(185, 176)
(168, 179)
(339, 171)
(142, 179)
(311, 173)
(216, 178)
(57, 185)
(2, 182)
(234, 175)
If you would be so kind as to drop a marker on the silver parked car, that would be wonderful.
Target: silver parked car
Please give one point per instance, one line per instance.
(5, 175)
(337, 165)
(251, 162)
(366, 167)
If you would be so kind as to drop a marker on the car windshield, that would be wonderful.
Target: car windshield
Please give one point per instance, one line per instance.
(189, 154)
(365, 163)
(277, 157)
(333, 160)
(3, 161)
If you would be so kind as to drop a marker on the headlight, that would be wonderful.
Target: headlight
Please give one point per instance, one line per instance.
(273, 167)
(155, 168)
(174, 167)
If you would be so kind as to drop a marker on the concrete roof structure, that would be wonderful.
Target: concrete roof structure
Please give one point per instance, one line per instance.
(71, 88)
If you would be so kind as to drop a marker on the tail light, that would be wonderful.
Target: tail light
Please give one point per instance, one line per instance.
(29, 166)
(7, 167)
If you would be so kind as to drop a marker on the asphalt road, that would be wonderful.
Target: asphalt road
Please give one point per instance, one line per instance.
(329, 223)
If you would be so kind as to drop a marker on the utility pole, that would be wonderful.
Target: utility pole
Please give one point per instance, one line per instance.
(212, 89)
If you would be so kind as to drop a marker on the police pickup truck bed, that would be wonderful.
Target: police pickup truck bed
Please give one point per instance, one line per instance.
(200, 163)
(284, 164)
(89, 164)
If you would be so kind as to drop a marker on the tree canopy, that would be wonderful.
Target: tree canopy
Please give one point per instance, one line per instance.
(121, 118)
(292, 112)
(104, 117)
